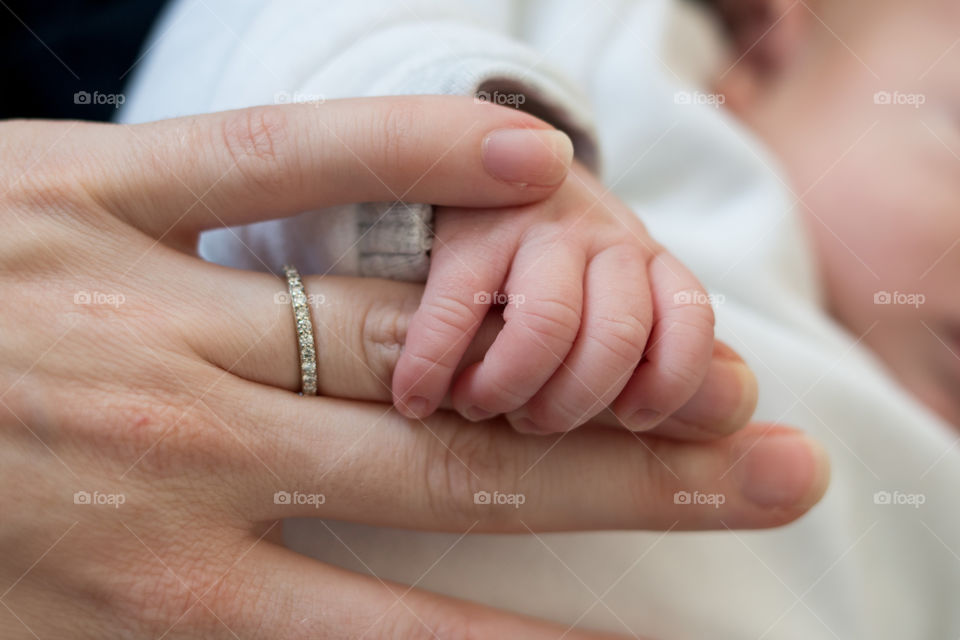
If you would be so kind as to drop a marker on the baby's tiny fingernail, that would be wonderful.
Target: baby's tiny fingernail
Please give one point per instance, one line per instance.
(414, 407)
(527, 426)
(476, 414)
(539, 157)
(643, 420)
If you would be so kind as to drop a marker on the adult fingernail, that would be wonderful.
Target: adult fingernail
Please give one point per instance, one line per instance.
(415, 407)
(539, 157)
(644, 420)
(782, 470)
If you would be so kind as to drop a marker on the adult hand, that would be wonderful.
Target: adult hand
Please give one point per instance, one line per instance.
(148, 439)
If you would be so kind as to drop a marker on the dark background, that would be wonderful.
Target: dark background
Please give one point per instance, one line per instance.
(97, 42)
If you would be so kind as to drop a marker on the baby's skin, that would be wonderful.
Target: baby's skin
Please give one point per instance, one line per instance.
(599, 318)
(860, 100)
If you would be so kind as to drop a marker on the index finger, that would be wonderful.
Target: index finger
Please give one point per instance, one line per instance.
(238, 167)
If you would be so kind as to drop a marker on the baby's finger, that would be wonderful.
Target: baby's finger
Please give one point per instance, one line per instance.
(680, 346)
(466, 270)
(722, 405)
(617, 316)
(544, 299)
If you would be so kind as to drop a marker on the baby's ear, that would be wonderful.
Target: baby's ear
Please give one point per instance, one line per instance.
(766, 36)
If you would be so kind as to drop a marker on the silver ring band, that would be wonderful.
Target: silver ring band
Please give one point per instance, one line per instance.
(305, 341)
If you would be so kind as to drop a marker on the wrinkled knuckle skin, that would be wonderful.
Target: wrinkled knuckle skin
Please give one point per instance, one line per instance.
(650, 490)
(624, 338)
(383, 334)
(449, 316)
(555, 322)
(700, 317)
(461, 463)
(256, 140)
(399, 131)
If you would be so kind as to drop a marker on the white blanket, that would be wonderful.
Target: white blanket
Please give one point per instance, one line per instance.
(607, 71)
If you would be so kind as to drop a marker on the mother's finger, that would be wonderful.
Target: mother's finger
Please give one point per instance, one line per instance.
(284, 595)
(373, 466)
(237, 167)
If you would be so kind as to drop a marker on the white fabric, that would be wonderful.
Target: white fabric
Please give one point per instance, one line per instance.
(850, 569)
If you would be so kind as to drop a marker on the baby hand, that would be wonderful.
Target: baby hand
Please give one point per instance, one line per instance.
(596, 314)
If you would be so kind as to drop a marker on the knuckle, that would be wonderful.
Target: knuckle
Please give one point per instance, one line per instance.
(555, 322)
(52, 186)
(448, 317)
(399, 131)
(649, 489)
(383, 334)
(498, 392)
(255, 140)
(699, 316)
(624, 338)
(463, 462)
(680, 378)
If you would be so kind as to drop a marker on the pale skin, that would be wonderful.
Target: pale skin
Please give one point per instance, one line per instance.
(179, 398)
(880, 182)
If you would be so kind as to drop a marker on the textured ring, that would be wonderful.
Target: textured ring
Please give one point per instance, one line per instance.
(305, 341)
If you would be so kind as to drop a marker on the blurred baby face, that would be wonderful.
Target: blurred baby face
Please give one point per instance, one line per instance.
(866, 122)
